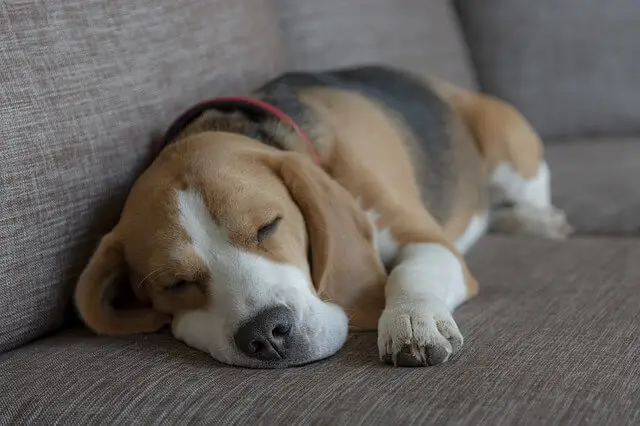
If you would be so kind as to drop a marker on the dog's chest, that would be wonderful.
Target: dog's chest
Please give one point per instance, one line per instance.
(383, 240)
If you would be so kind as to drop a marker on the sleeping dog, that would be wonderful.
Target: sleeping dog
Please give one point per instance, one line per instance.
(269, 226)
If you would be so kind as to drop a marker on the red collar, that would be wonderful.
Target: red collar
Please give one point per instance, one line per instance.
(248, 105)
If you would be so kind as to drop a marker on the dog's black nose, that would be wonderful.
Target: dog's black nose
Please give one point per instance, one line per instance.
(266, 335)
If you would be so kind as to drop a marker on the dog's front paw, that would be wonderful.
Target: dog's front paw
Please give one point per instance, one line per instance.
(417, 334)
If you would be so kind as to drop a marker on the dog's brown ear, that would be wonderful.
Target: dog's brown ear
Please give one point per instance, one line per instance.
(345, 266)
(98, 287)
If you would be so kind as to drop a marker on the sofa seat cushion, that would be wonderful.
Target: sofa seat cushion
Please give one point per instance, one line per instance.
(84, 88)
(597, 182)
(552, 337)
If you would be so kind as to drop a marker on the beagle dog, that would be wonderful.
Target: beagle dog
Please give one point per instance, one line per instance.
(270, 226)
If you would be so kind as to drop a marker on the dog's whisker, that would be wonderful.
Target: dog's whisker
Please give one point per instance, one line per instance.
(160, 269)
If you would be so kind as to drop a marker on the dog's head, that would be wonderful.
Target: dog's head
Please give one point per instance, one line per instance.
(249, 253)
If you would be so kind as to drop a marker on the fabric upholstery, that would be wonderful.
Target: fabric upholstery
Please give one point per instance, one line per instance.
(597, 182)
(571, 66)
(84, 87)
(551, 339)
(420, 35)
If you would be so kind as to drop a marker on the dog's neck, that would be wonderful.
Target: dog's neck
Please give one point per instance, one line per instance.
(268, 129)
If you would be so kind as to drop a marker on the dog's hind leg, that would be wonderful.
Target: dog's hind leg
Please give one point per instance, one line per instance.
(521, 205)
(519, 176)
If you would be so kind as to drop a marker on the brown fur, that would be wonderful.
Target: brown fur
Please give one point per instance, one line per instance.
(385, 180)
(345, 269)
(367, 167)
(501, 132)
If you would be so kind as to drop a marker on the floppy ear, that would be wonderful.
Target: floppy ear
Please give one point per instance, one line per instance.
(345, 266)
(98, 287)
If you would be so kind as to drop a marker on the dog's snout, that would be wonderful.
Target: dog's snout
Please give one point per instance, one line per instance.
(266, 336)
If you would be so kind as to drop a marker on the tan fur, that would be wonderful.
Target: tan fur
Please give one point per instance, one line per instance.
(98, 283)
(384, 180)
(502, 133)
(368, 164)
(344, 254)
(218, 164)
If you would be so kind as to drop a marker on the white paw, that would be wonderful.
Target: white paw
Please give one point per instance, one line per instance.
(548, 222)
(417, 333)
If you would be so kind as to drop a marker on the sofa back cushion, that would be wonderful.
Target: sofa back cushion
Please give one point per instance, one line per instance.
(84, 87)
(571, 66)
(420, 35)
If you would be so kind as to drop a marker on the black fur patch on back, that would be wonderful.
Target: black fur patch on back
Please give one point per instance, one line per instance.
(424, 114)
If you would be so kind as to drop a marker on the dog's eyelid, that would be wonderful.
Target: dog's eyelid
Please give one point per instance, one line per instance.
(268, 229)
(178, 285)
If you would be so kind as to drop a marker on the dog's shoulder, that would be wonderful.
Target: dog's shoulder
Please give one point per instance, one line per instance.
(411, 103)
(401, 93)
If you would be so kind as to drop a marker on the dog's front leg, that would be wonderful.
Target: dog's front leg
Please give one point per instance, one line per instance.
(416, 327)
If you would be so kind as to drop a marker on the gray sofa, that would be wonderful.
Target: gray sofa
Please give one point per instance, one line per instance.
(87, 86)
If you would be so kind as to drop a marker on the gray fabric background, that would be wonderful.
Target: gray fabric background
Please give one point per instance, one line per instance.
(597, 183)
(422, 36)
(571, 66)
(84, 86)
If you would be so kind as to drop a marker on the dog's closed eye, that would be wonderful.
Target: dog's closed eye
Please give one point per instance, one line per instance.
(178, 286)
(267, 230)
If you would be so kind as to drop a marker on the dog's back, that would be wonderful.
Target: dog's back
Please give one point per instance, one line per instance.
(445, 160)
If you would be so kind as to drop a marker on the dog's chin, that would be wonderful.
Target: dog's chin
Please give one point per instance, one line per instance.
(320, 331)
(243, 361)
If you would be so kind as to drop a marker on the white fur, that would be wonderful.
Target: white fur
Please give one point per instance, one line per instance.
(426, 270)
(385, 243)
(507, 185)
(426, 284)
(387, 246)
(475, 230)
(241, 285)
(532, 212)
